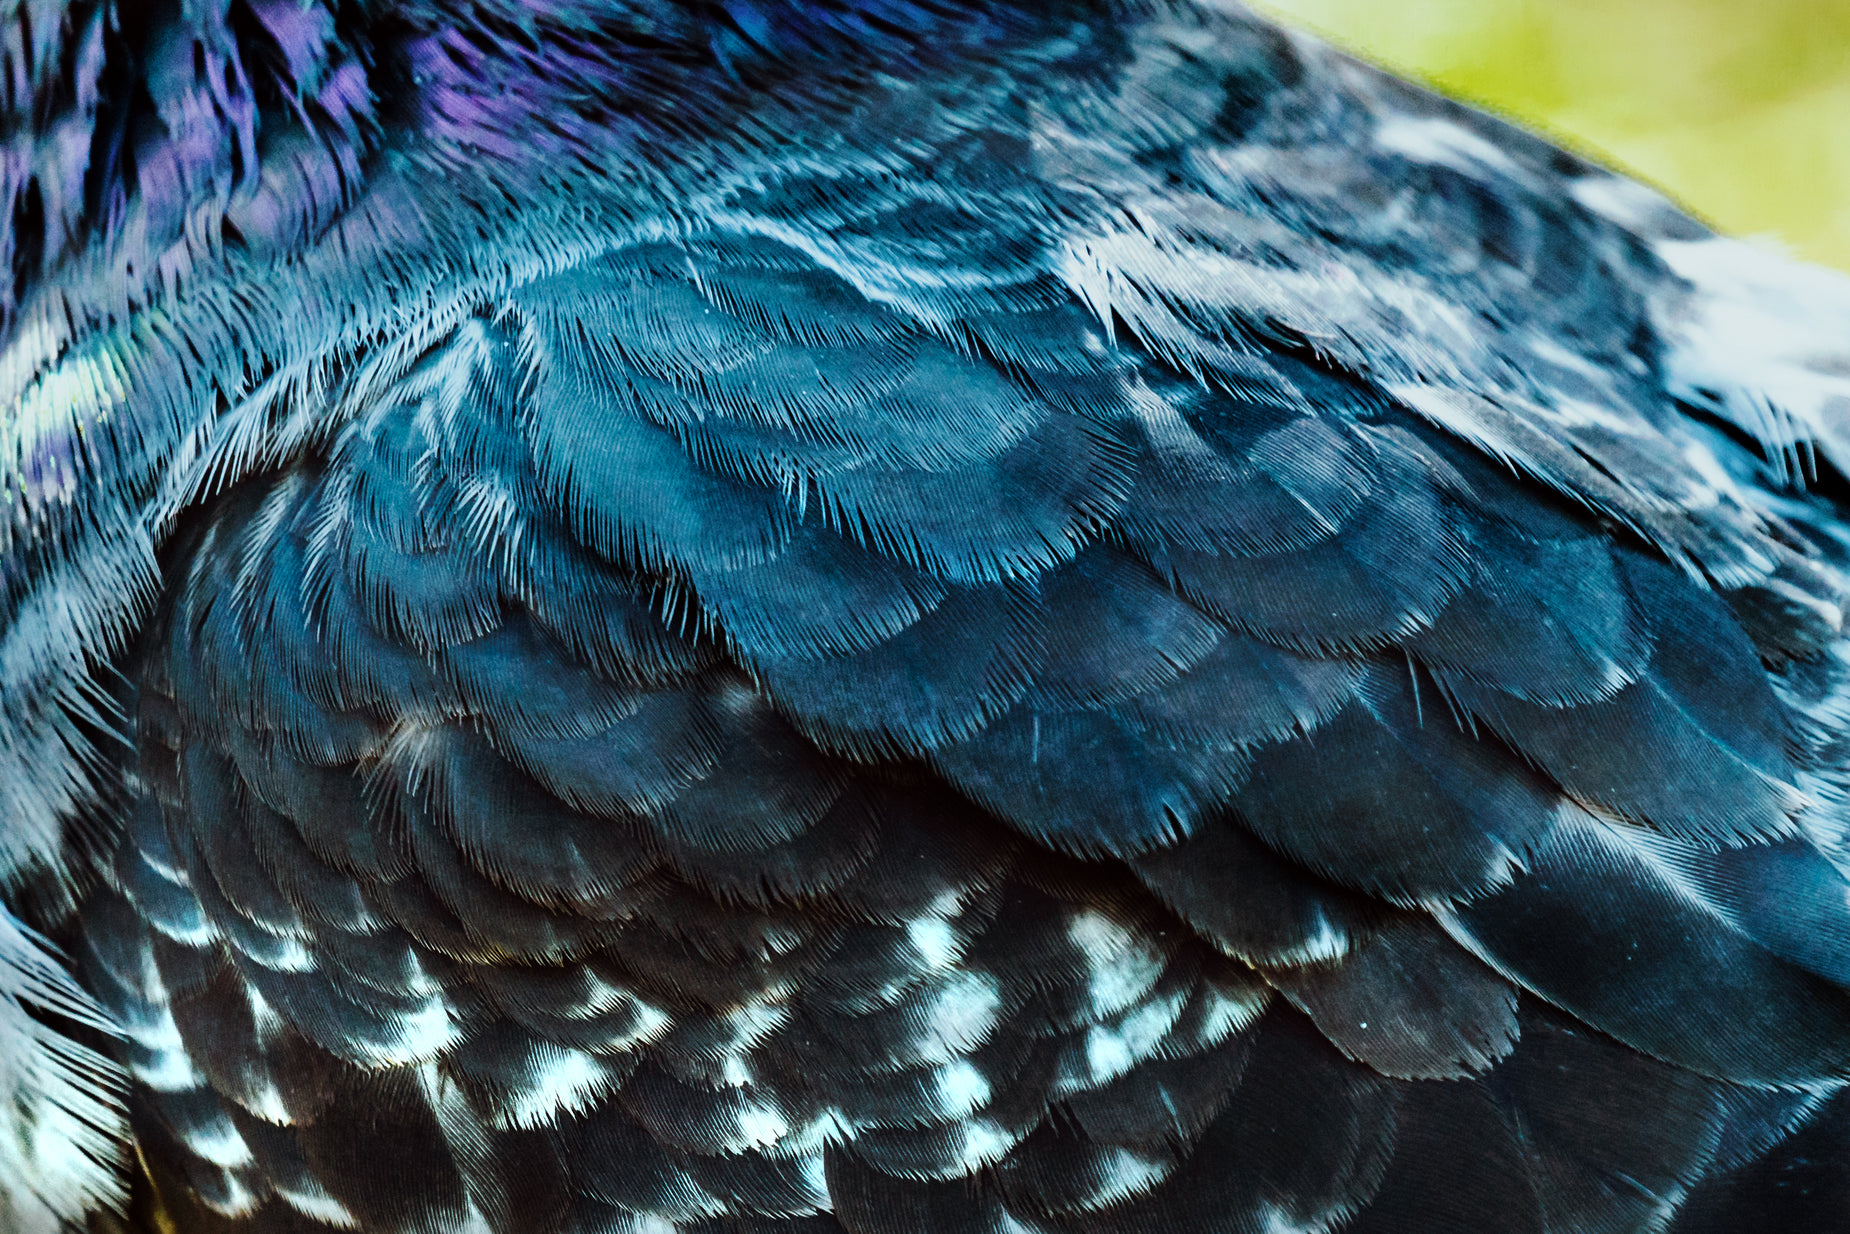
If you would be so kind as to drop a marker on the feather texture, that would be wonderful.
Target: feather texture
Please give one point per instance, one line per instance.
(800, 616)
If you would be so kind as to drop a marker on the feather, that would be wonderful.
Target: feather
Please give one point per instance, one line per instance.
(1090, 781)
(872, 966)
(1247, 691)
(216, 819)
(497, 921)
(699, 1120)
(1394, 799)
(938, 679)
(328, 807)
(515, 1079)
(62, 1120)
(1113, 632)
(1612, 1137)
(517, 678)
(929, 1096)
(867, 1201)
(379, 1150)
(1398, 558)
(1408, 1002)
(1544, 619)
(822, 595)
(1652, 752)
(606, 617)
(611, 1025)
(431, 598)
(631, 491)
(757, 1183)
(1198, 488)
(609, 1156)
(825, 855)
(937, 854)
(1636, 951)
(1428, 1186)
(524, 839)
(1070, 963)
(276, 1075)
(799, 616)
(1797, 1185)
(636, 764)
(314, 888)
(1250, 902)
(1031, 507)
(1306, 1137)
(153, 879)
(767, 785)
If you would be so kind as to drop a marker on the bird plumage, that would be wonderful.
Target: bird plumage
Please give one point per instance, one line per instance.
(897, 616)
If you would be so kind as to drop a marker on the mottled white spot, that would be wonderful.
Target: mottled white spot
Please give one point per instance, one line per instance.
(237, 1201)
(567, 1082)
(1101, 939)
(601, 996)
(651, 1023)
(983, 1142)
(264, 1018)
(267, 1103)
(1112, 1049)
(314, 1201)
(733, 1072)
(287, 956)
(1433, 139)
(419, 1035)
(219, 1143)
(1274, 1220)
(761, 1125)
(204, 934)
(961, 1088)
(174, 874)
(1122, 1173)
(827, 1127)
(171, 1071)
(934, 940)
(750, 1024)
(153, 1030)
(946, 904)
(958, 1015)
(815, 1180)
(417, 979)
(473, 1223)
(1224, 1013)
(1328, 942)
(1122, 966)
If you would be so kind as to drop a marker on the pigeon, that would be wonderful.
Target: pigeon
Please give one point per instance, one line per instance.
(896, 617)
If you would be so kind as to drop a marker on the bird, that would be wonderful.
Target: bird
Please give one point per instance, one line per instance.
(896, 617)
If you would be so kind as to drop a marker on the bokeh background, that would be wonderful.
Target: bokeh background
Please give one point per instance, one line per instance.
(1740, 109)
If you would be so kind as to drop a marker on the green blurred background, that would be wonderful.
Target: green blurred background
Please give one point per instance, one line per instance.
(1738, 108)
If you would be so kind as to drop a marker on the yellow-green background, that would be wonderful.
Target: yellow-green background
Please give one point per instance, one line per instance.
(1739, 108)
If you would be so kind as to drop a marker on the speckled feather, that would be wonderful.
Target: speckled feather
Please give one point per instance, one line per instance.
(897, 617)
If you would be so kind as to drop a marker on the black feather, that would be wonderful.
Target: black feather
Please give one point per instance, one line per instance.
(1408, 1002)
(1250, 902)
(938, 679)
(1631, 948)
(1656, 750)
(1390, 796)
